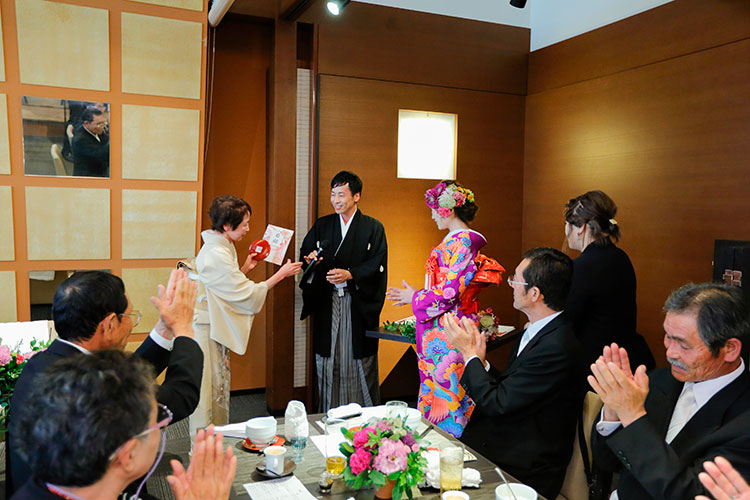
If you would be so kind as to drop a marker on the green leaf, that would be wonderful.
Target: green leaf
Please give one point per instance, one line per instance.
(347, 447)
(377, 478)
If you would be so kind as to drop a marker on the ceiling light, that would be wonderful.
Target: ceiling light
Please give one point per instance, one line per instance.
(518, 3)
(336, 6)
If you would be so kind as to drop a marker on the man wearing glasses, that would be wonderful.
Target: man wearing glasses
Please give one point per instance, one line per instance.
(91, 425)
(92, 312)
(525, 417)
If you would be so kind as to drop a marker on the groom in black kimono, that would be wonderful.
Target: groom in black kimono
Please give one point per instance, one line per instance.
(345, 294)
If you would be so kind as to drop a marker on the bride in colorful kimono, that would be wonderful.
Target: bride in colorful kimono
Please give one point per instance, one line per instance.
(450, 270)
(227, 304)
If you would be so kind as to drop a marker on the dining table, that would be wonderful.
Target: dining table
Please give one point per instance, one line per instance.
(312, 466)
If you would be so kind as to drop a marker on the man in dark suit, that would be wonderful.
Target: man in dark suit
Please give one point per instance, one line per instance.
(92, 312)
(525, 417)
(345, 294)
(90, 145)
(660, 428)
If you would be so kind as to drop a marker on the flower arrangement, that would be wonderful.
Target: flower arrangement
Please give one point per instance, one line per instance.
(488, 323)
(11, 364)
(407, 328)
(385, 450)
(444, 198)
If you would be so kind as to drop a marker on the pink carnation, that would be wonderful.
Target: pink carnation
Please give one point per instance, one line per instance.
(443, 212)
(362, 436)
(360, 461)
(391, 457)
(4, 355)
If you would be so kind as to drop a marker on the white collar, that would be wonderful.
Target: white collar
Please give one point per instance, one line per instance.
(706, 389)
(82, 349)
(90, 132)
(534, 328)
(349, 222)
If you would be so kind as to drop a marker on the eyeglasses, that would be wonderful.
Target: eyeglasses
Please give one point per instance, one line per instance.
(514, 282)
(163, 418)
(135, 316)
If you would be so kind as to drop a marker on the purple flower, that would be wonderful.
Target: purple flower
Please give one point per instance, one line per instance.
(436, 347)
(391, 457)
(431, 198)
(4, 355)
(360, 461)
(449, 293)
(440, 188)
(408, 439)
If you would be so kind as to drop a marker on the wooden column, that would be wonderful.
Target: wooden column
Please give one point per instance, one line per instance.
(281, 209)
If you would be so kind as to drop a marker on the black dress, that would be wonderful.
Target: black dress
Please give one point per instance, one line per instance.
(602, 304)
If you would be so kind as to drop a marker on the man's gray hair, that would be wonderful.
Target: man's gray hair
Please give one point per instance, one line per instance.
(720, 310)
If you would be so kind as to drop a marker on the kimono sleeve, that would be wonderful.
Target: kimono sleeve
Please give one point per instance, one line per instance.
(441, 298)
(224, 281)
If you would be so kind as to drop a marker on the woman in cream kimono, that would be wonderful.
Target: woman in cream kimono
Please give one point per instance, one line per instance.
(227, 303)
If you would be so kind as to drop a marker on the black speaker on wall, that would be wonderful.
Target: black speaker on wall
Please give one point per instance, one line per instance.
(518, 3)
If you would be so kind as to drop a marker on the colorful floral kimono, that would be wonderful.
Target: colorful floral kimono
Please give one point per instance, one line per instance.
(450, 269)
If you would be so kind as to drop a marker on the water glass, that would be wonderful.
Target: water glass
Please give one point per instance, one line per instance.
(296, 427)
(451, 468)
(396, 409)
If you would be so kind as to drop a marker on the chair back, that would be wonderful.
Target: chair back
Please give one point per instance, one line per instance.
(575, 486)
(56, 152)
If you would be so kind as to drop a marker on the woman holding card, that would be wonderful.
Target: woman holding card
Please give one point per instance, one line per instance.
(227, 303)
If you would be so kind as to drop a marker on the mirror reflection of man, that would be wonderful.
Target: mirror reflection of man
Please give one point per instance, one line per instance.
(345, 294)
(91, 145)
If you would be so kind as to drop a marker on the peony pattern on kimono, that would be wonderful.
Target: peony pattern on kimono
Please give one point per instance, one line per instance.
(442, 400)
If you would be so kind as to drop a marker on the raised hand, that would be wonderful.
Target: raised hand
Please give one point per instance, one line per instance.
(623, 395)
(250, 263)
(723, 481)
(177, 314)
(401, 296)
(210, 473)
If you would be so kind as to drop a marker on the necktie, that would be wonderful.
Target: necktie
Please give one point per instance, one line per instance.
(683, 411)
(524, 340)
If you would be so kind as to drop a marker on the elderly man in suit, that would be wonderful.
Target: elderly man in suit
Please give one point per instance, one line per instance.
(660, 428)
(92, 312)
(525, 417)
(90, 145)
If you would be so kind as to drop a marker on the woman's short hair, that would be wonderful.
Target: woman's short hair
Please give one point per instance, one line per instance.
(228, 210)
(597, 210)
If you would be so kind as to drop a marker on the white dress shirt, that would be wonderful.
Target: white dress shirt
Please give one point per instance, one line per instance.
(344, 229)
(160, 341)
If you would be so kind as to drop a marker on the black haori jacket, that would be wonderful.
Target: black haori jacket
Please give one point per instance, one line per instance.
(364, 252)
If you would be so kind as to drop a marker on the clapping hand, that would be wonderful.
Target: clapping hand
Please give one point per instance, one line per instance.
(210, 473)
(622, 392)
(177, 312)
(723, 481)
(465, 336)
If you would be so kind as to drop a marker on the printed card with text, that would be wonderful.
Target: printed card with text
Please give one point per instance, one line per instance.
(279, 239)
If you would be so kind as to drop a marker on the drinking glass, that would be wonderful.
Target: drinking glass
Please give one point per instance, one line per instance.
(334, 462)
(396, 409)
(296, 428)
(451, 468)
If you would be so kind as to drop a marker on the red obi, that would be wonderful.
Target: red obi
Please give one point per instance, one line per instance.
(489, 271)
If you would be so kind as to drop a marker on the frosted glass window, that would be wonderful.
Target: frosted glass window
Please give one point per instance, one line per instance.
(427, 143)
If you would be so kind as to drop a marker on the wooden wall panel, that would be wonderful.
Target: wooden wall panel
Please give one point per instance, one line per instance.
(668, 141)
(670, 30)
(384, 43)
(236, 159)
(358, 132)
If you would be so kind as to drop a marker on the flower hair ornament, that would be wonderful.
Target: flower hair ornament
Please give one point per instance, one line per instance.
(443, 199)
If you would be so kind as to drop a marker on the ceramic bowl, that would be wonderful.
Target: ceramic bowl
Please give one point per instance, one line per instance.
(413, 418)
(260, 430)
(521, 491)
